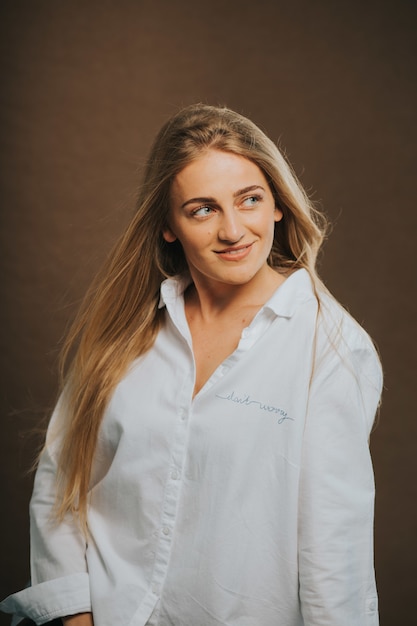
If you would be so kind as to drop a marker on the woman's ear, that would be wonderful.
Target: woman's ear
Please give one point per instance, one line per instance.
(168, 235)
(278, 214)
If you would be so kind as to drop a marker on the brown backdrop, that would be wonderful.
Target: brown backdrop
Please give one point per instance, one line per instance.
(85, 86)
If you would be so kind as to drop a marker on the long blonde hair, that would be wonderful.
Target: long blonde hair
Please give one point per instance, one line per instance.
(120, 317)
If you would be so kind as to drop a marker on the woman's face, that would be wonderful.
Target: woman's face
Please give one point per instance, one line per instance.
(223, 212)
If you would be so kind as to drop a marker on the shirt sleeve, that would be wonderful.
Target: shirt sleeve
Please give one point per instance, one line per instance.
(336, 502)
(60, 582)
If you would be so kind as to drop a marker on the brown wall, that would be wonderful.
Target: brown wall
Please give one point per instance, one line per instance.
(85, 86)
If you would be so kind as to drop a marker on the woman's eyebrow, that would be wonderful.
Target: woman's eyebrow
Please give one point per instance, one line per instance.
(197, 201)
(247, 189)
(240, 192)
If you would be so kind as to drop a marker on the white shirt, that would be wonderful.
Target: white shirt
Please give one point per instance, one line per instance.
(249, 505)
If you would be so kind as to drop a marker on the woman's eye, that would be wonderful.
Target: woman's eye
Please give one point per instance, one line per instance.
(251, 201)
(203, 211)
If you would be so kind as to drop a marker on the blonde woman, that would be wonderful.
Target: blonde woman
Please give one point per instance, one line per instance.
(208, 460)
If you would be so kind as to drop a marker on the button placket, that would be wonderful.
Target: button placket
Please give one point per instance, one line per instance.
(172, 489)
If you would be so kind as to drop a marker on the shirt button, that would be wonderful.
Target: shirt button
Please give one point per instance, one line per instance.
(155, 588)
(372, 605)
(165, 530)
(175, 475)
(183, 414)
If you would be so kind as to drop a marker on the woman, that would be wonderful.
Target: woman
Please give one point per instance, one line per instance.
(208, 460)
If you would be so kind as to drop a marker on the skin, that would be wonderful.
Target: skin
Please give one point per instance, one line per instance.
(223, 213)
(82, 619)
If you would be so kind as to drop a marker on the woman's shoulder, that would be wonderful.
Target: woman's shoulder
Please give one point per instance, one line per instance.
(335, 319)
(341, 338)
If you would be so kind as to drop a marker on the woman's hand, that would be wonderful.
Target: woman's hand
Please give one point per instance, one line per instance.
(81, 619)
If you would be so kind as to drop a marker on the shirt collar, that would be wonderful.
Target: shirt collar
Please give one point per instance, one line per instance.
(297, 288)
(173, 288)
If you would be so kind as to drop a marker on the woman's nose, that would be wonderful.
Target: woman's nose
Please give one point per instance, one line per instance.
(230, 229)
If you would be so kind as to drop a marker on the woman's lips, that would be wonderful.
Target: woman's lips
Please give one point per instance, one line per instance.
(235, 253)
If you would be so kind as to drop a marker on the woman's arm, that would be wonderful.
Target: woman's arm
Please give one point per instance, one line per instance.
(82, 619)
(336, 502)
(59, 576)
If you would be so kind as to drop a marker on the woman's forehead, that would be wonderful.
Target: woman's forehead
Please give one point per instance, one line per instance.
(214, 167)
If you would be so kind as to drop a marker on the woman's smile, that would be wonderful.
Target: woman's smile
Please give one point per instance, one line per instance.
(235, 253)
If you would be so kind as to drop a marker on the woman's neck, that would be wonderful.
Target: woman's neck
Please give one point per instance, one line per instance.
(211, 300)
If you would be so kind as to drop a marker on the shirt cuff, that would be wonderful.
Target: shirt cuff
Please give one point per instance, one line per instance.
(54, 598)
